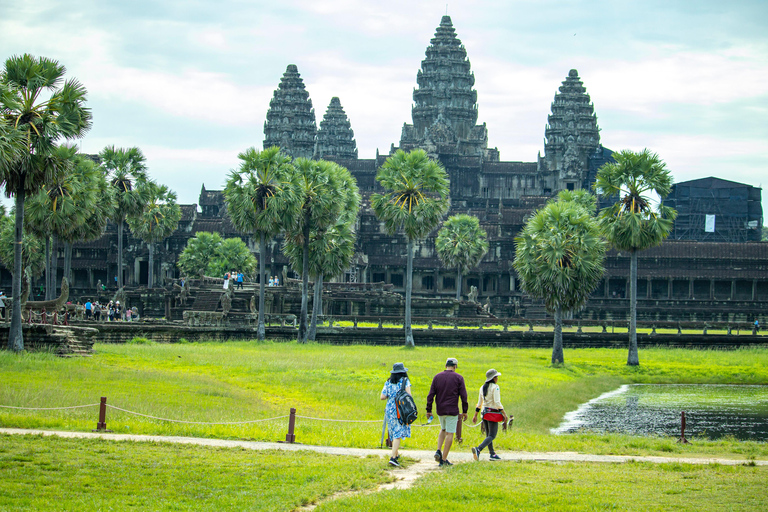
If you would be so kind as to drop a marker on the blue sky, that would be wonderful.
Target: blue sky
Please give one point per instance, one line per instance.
(189, 82)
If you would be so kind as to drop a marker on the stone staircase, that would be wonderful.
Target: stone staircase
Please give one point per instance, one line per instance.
(207, 300)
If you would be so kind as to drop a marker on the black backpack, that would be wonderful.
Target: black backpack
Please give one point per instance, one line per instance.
(405, 406)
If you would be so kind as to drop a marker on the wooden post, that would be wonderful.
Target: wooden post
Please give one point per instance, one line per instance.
(458, 431)
(101, 426)
(290, 437)
(682, 439)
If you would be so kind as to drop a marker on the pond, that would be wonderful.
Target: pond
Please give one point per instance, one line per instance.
(711, 410)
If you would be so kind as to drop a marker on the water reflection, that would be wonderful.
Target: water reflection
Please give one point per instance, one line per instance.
(711, 411)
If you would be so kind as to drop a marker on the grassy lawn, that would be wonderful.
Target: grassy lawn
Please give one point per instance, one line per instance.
(243, 381)
(51, 473)
(507, 486)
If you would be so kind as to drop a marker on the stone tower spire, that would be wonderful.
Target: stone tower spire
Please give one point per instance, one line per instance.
(335, 137)
(445, 85)
(572, 135)
(290, 120)
(445, 104)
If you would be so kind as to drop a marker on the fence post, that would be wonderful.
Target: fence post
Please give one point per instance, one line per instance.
(682, 429)
(290, 437)
(458, 431)
(101, 426)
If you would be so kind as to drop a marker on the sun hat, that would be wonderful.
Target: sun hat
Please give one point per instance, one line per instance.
(398, 368)
(452, 361)
(490, 374)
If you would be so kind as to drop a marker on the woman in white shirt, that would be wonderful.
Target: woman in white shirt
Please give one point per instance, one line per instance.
(493, 413)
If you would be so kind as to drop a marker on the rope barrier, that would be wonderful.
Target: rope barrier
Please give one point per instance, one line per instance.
(197, 422)
(47, 408)
(341, 421)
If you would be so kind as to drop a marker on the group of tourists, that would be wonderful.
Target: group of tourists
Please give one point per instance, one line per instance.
(236, 278)
(112, 311)
(446, 391)
(274, 281)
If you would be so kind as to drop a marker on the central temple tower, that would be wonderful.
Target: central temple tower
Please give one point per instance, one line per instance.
(445, 104)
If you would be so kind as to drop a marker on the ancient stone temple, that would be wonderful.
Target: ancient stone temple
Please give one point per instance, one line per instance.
(681, 279)
(572, 138)
(335, 137)
(290, 120)
(445, 104)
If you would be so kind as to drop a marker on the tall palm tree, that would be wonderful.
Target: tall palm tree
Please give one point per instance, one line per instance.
(98, 198)
(36, 103)
(461, 243)
(125, 170)
(32, 256)
(60, 206)
(158, 219)
(559, 257)
(417, 200)
(638, 220)
(324, 192)
(330, 254)
(260, 200)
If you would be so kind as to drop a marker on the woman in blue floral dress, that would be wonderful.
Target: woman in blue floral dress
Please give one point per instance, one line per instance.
(398, 378)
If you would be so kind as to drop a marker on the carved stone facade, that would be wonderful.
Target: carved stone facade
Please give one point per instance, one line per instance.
(290, 120)
(335, 137)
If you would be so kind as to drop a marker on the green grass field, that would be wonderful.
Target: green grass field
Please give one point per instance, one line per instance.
(245, 381)
(242, 381)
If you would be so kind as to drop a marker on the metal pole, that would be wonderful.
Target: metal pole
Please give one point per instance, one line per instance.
(290, 437)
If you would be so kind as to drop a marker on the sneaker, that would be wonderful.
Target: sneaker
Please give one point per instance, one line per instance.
(446, 463)
(438, 456)
(393, 462)
(475, 453)
(495, 457)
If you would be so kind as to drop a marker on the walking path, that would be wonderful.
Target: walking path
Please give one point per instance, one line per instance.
(459, 455)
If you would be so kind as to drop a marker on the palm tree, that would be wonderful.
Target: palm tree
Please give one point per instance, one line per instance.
(98, 199)
(125, 170)
(638, 220)
(325, 192)
(157, 221)
(330, 254)
(32, 262)
(416, 202)
(559, 257)
(40, 121)
(260, 201)
(58, 208)
(461, 243)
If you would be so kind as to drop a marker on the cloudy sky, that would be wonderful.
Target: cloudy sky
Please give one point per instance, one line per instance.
(189, 82)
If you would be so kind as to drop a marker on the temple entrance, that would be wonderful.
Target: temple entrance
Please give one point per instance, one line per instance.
(144, 272)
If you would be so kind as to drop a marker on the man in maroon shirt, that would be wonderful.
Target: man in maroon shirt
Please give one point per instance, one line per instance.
(447, 387)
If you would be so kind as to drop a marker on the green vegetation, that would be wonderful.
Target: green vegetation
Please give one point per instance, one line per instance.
(49, 473)
(244, 381)
(209, 254)
(461, 243)
(539, 486)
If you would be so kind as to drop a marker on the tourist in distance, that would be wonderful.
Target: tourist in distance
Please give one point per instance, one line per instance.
(96, 311)
(3, 298)
(398, 378)
(446, 390)
(492, 413)
(239, 280)
(88, 309)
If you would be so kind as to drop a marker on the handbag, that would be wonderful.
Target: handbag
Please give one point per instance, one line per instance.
(492, 415)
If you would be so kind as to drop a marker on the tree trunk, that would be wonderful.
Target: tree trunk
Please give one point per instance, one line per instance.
(151, 265)
(408, 288)
(260, 332)
(120, 253)
(15, 334)
(633, 358)
(557, 346)
(48, 279)
(304, 287)
(317, 307)
(458, 283)
(54, 267)
(68, 261)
